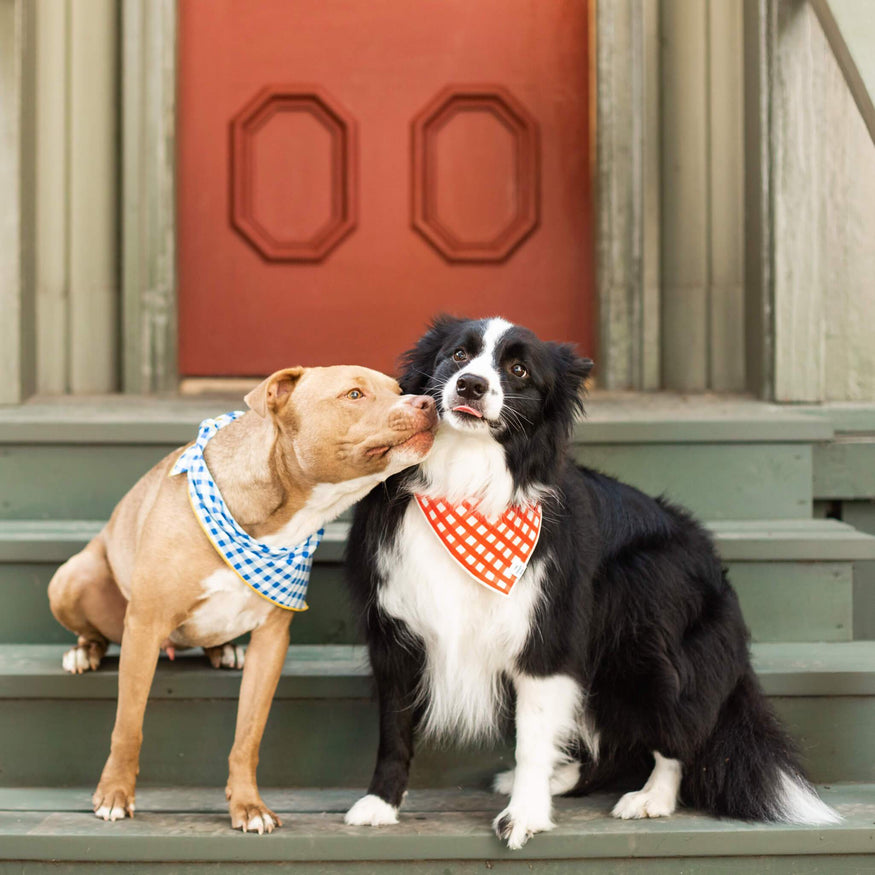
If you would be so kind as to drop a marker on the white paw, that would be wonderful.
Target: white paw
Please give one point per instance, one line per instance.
(225, 656)
(80, 658)
(260, 823)
(115, 813)
(370, 810)
(645, 803)
(516, 826)
(563, 780)
(503, 783)
(233, 656)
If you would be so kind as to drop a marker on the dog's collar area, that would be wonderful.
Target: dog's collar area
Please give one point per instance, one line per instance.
(279, 574)
(495, 553)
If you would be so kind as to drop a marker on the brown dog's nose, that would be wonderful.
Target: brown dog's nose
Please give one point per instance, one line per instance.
(420, 402)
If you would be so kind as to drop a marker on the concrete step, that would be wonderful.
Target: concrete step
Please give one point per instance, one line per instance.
(794, 578)
(187, 831)
(723, 458)
(55, 728)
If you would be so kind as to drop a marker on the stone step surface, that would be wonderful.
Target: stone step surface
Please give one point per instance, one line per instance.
(794, 578)
(186, 830)
(55, 728)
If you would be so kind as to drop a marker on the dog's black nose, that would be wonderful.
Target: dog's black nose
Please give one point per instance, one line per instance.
(471, 386)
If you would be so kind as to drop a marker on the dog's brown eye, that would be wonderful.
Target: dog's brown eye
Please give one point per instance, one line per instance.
(519, 370)
(355, 394)
(460, 355)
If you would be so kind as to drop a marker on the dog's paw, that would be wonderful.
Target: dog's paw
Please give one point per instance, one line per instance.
(370, 810)
(563, 780)
(226, 656)
(85, 656)
(644, 803)
(113, 802)
(252, 815)
(516, 827)
(503, 783)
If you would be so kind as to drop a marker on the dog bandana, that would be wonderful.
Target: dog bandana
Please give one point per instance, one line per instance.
(280, 574)
(495, 554)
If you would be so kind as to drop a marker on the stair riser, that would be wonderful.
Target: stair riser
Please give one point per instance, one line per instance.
(782, 601)
(716, 481)
(332, 742)
(25, 617)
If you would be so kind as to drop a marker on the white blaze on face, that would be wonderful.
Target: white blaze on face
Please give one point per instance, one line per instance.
(485, 366)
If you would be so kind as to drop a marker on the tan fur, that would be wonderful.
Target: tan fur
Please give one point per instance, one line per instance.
(152, 580)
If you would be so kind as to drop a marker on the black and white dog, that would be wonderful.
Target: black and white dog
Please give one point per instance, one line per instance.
(622, 639)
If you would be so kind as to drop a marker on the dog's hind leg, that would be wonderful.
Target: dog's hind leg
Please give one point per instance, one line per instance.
(658, 797)
(84, 597)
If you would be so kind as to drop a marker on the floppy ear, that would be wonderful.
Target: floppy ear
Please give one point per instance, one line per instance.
(566, 394)
(417, 364)
(271, 395)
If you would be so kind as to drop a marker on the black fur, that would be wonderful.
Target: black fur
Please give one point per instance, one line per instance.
(637, 607)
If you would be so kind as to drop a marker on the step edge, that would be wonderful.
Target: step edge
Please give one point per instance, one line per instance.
(341, 671)
(803, 540)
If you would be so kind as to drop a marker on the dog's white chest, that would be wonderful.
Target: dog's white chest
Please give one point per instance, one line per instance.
(228, 608)
(472, 635)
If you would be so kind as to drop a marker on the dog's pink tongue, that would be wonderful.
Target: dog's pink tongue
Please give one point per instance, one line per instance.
(463, 408)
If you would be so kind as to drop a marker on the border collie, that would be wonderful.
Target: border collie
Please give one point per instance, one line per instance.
(621, 640)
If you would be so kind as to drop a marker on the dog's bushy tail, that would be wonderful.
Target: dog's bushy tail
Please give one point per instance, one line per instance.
(749, 769)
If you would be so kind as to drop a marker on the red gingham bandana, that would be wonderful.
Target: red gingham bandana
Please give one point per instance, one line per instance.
(493, 553)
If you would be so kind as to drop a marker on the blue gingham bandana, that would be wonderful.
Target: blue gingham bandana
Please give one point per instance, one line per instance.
(280, 574)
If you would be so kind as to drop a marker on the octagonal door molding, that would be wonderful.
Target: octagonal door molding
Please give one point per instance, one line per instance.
(294, 169)
(476, 173)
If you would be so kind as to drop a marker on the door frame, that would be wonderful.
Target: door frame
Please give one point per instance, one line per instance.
(149, 279)
(626, 169)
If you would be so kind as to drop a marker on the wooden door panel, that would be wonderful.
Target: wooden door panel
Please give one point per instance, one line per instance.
(349, 169)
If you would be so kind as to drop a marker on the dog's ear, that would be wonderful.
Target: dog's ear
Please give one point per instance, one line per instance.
(571, 366)
(566, 393)
(271, 395)
(417, 364)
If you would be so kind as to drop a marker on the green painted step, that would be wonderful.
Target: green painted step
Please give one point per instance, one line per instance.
(54, 728)
(725, 459)
(440, 831)
(794, 578)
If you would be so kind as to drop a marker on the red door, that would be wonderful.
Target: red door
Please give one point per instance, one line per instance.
(349, 168)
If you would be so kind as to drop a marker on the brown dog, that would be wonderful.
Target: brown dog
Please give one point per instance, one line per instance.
(315, 441)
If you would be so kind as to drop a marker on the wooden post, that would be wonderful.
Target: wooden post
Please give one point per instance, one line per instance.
(17, 358)
(628, 212)
(149, 196)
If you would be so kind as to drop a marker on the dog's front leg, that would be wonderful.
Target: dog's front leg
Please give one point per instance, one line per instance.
(261, 673)
(546, 712)
(396, 677)
(141, 646)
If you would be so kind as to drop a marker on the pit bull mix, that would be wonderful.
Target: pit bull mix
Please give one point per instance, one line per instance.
(314, 441)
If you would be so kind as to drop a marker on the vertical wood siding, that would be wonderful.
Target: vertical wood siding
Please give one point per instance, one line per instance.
(75, 195)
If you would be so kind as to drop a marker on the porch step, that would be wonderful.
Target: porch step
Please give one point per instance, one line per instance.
(439, 830)
(55, 728)
(794, 578)
(723, 458)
